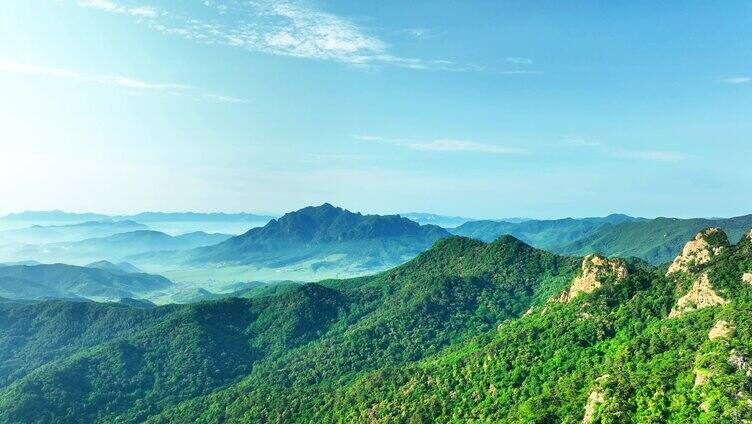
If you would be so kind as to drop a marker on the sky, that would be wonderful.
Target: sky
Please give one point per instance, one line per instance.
(485, 109)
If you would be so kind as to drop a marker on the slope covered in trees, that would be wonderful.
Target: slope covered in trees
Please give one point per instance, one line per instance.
(313, 332)
(543, 234)
(68, 281)
(656, 241)
(466, 331)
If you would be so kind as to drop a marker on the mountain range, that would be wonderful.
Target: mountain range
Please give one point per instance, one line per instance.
(544, 234)
(112, 247)
(60, 216)
(465, 332)
(68, 281)
(323, 236)
(655, 240)
(43, 234)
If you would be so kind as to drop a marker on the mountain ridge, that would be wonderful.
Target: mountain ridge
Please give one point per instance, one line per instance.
(325, 230)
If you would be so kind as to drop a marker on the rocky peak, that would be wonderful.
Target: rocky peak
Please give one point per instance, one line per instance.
(701, 295)
(595, 268)
(700, 250)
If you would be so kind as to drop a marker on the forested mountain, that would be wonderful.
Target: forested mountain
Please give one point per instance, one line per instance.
(120, 267)
(458, 288)
(656, 240)
(67, 281)
(543, 234)
(327, 236)
(467, 331)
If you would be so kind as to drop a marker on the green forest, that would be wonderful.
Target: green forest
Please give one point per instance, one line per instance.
(466, 332)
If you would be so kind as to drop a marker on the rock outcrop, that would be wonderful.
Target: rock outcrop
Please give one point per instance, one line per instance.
(747, 278)
(701, 295)
(700, 250)
(701, 377)
(595, 398)
(720, 329)
(594, 269)
(740, 362)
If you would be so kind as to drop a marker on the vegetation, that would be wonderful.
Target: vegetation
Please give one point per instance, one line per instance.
(543, 234)
(467, 331)
(656, 240)
(318, 238)
(68, 281)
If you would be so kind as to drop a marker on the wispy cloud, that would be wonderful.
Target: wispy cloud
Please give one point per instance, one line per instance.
(520, 60)
(112, 80)
(109, 6)
(657, 155)
(443, 145)
(285, 28)
(420, 33)
(340, 157)
(735, 80)
(578, 142)
(520, 72)
(651, 155)
(367, 137)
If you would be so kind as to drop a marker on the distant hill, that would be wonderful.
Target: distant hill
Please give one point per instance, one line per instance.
(326, 236)
(54, 216)
(656, 240)
(68, 281)
(135, 242)
(543, 234)
(114, 247)
(121, 267)
(61, 216)
(28, 262)
(196, 216)
(440, 220)
(40, 234)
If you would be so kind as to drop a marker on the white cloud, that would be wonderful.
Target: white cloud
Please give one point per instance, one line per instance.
(285, 28)
(419, 33)
(225, 99)
(366, 137)
(651, 155)
(655, 155)
(520, 60)
(339, 157)
(520, 72)
(443, 145)
(448, 145)
(109, 6)
(735, 80)
(578, 142)
(12, 66)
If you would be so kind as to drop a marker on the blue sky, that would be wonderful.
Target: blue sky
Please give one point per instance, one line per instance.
(482, 109)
